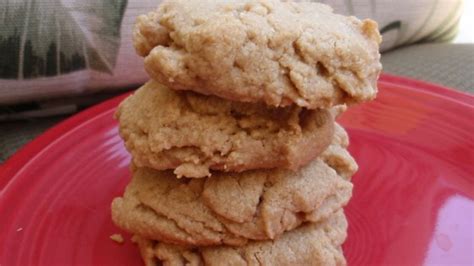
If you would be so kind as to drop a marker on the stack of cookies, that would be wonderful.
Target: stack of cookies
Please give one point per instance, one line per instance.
(237, 158)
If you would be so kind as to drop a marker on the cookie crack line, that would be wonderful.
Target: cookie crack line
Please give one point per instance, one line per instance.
(190, 236)
(155, 213)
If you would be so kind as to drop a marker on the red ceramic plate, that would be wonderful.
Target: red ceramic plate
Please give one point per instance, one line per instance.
(412, 204)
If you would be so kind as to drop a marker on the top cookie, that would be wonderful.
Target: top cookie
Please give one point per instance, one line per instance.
(280, 53)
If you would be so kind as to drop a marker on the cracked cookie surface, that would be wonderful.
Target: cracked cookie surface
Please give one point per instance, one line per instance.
(280, 53)
(231, 208)
(192, 133)
(310, 244)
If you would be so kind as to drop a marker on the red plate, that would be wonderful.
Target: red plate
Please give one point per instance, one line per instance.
(412, 204)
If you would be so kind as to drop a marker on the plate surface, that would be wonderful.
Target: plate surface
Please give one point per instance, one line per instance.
(412, 204)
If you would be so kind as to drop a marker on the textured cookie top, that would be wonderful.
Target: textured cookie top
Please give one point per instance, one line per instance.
(312, 244)
(230, 208)
(280, 53)
(193, 133)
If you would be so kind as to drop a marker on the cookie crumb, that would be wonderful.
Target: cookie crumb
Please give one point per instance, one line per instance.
(117, 238)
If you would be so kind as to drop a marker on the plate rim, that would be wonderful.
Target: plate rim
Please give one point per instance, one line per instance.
(12, 166)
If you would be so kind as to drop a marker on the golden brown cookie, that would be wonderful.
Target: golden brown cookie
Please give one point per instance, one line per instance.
(230, 208)
(193, 133)
(310, 244)
(280, 53)
(338, 157)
